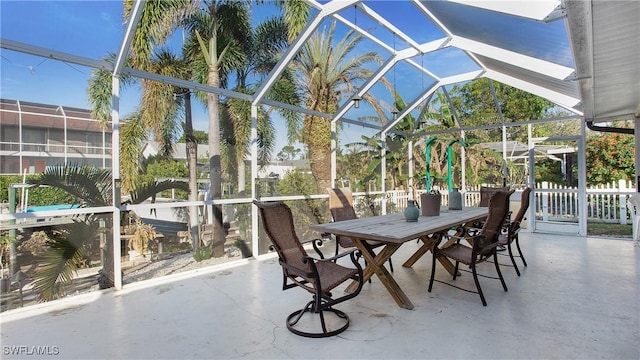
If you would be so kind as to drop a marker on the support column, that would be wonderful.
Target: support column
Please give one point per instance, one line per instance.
(254, 175)
(637, 143)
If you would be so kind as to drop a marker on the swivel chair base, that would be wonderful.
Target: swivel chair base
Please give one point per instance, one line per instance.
(338, 320)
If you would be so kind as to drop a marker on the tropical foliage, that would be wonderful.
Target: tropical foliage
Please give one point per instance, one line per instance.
(610, 156)
(67, 245)
(310, 211)
(475, 106)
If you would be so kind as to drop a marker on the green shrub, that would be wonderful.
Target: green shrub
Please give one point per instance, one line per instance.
(37, 196)
(202, 253)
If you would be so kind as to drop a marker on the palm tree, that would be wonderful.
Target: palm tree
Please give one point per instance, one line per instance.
(219, 28)
(159, 20)
(217, 23)
(158, 115)
(236, 134)
(326, 74)
(296, 13)
(91, 187)
(217, 33)
(160, 107)
(288, 153)
(262, 49)
(481, 163)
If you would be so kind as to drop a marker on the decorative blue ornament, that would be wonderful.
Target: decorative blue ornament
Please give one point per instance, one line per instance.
(411, 213)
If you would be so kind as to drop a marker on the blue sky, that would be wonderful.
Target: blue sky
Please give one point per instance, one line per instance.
(92, 29)
(89, 29)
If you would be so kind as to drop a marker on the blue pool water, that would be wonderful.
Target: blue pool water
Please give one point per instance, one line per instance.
(51, 207)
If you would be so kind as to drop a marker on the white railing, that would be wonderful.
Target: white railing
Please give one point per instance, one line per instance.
(605, 203)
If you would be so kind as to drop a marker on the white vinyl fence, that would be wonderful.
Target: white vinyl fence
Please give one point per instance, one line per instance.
(605, 203)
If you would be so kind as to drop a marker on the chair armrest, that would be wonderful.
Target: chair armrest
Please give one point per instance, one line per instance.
(448, 237)
(316, 246)
(313, 261)
(342, 254)
(472, 230)
(317, 242)
(480, 250)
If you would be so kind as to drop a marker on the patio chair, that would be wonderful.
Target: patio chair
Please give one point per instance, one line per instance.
(317, 276)
(513, 229)
(634, 204)
(483, 245)
(341, 208)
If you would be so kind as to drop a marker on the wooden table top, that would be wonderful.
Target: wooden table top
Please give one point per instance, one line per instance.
(393, 228)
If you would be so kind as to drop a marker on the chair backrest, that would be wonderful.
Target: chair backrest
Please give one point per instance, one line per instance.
(486, 192)
(634, 203)
(524, 205)
(498, 211)
(278, 224)
(341, 204)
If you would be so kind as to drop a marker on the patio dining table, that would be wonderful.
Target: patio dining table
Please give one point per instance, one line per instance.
(393, 230)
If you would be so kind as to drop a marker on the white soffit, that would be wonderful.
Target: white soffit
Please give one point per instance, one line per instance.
(553, 96)
(537, 10)
(605, 37)
(565, 87)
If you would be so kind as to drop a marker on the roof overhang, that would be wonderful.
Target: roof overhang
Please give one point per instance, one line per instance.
(604, 36)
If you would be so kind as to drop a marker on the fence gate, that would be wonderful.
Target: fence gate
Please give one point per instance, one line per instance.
(556, 208)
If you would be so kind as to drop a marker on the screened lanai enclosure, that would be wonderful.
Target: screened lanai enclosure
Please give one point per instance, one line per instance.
(389, 98)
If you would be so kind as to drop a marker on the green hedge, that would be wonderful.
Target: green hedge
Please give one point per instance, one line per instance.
(37, 196)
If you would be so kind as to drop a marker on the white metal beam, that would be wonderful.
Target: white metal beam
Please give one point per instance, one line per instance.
(53, 54)
(185, 83)
(412, 106)
(468, 76)
(136, 14)
(363, 32)
(386, 66)
(433, 18)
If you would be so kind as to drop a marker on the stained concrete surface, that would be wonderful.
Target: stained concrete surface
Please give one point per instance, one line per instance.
(577, 299)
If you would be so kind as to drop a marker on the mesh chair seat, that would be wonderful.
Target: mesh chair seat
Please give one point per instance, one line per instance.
(459, 253)
(332, 274)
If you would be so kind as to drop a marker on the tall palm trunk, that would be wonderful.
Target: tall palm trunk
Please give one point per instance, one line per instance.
(318, 138)
(192, 161)
(215, 166)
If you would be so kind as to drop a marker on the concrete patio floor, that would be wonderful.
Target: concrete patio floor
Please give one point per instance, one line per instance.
(577, 299)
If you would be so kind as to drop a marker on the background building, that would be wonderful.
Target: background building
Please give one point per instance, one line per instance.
(34, 136)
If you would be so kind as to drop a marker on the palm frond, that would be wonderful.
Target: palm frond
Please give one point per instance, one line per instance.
(159, 20)
(91, 186)
(148, 190)
(64, 254)
(296, 15)
(99, 90)
(133, 137)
